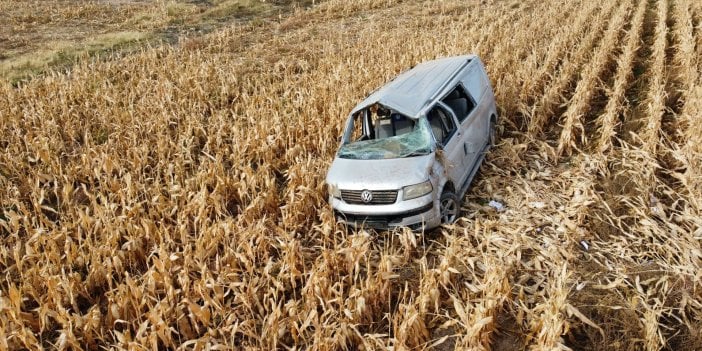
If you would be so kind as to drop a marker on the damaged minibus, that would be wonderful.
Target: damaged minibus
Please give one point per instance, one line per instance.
(411, 149)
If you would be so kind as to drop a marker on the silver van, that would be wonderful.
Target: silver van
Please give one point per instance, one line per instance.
(410, 149)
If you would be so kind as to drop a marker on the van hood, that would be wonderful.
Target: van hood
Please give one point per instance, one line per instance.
(386, 174)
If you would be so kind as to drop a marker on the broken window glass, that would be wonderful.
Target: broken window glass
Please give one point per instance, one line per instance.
(386, 134)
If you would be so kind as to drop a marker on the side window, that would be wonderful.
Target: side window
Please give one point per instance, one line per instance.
(459, 101)
(441, 124)
(357, 127)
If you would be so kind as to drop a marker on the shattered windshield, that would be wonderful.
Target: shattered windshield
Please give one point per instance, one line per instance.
(375, 134)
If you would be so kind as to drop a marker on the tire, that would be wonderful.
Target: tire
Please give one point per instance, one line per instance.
(449, 207)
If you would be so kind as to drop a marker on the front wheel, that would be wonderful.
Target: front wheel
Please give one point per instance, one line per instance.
(449, 207)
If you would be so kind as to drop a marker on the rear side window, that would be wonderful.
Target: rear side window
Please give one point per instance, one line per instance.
(475, 83)
(461, 104)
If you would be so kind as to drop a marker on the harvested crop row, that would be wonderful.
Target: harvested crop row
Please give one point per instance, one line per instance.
(174, 198)
(622, 81)
(581, 101)
(515, 45)
(656, 94)
(563, 39)
(488, 286)
(685, 58)
(541, 111)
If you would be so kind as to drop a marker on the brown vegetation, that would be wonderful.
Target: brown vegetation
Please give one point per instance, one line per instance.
(175, 197)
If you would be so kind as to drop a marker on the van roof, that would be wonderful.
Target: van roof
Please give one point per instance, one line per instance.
(415, 89)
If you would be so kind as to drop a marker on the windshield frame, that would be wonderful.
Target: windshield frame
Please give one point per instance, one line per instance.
(419, 142)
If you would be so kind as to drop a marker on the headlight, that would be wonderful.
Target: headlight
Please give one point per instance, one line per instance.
(417, 190)
(334, 191)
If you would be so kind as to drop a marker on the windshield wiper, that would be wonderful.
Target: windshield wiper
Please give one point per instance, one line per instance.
(416, 153)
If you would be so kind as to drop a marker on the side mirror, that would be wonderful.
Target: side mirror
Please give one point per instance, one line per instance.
(439, 146)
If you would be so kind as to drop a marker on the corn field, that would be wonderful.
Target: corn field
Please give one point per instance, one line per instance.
(174, 198)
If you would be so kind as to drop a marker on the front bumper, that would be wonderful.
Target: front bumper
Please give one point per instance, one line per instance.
(423, 217)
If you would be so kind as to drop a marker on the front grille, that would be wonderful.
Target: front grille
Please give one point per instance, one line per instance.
(380, 197)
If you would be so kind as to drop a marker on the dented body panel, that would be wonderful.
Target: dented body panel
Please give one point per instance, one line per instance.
(413, 90)
(382, 174)
(412, 144)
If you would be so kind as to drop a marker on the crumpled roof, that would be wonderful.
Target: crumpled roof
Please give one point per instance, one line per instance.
(413, 90)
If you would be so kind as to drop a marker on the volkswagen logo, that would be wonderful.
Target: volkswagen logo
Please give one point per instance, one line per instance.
(366, 196)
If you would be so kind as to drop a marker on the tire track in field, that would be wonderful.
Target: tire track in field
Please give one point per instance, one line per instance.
(650, 314)
(679, 203)
(562, 318)
(692, 111)
(494, 318)
(531, 290)
(609, 325)
(621, 183)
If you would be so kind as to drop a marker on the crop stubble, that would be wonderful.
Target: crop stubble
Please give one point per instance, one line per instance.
(175, 197)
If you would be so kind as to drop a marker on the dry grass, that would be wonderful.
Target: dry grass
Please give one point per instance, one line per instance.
(174, 198)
